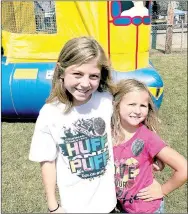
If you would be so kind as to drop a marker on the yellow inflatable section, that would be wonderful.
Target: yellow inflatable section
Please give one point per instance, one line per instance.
(124, 37)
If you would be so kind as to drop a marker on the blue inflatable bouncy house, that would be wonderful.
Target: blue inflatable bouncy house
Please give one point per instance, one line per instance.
(35, 31)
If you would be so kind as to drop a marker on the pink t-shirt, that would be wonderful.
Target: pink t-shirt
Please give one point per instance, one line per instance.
(133, 169)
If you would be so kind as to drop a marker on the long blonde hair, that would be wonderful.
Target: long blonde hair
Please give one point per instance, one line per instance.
(122, 88)
(78, 51)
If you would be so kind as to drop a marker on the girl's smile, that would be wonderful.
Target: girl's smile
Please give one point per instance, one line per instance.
(134, 108)
(82, 80)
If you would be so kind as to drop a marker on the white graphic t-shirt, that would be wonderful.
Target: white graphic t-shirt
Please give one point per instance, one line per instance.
(80, 141)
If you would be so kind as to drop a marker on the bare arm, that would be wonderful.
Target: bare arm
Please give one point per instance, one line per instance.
(178, 163)
(48, 170)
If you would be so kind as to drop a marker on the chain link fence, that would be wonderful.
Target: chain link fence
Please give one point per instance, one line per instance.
(32, 17)
(160, 25)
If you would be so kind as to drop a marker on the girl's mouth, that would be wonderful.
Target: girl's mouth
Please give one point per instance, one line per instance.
(82, 91)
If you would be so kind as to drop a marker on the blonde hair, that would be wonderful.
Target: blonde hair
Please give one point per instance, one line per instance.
(78, 51)
(122, 88)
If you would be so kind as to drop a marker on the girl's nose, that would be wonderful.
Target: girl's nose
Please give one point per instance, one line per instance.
(85, 82)
(137, 110)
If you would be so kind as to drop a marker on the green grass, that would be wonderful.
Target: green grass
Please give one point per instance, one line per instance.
(173, 115)
(22, 190)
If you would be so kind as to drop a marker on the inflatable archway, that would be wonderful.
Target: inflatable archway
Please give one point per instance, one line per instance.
(35, 31)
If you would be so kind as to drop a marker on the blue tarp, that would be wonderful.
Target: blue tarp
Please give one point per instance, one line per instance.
(179, 12)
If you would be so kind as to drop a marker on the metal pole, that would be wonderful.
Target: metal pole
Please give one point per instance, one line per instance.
(154, 36)
(182, 25)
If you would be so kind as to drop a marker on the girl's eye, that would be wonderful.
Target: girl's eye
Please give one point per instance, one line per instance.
(94, 77)
(77, 74)
(145, 106)
(132, 104)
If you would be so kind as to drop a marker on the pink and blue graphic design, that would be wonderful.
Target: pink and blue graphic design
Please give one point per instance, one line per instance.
(85, 145)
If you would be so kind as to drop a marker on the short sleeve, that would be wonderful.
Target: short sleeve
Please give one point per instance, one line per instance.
(155, 144)
(43, 146)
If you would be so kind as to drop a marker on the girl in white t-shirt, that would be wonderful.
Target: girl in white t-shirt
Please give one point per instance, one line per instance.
(72, 137)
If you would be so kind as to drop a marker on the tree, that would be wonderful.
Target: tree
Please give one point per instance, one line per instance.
(182, 5)
(169, 31)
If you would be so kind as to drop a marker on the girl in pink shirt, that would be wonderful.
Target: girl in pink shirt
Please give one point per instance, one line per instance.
(135, 145)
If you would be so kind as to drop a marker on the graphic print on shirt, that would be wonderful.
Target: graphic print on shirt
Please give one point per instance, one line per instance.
(85, 144)
(126, 171)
